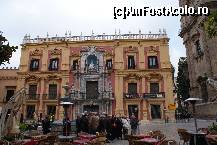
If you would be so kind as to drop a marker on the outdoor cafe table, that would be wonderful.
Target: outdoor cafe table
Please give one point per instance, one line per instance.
(81, 142)
(149, 140)
(87, 136)
(198, 138)
(63, 138)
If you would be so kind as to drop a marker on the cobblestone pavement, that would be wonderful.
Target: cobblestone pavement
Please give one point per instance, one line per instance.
(169, 129)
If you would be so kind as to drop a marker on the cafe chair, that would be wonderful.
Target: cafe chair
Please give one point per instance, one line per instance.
(184, 136)
(132, 138)
(169, 142)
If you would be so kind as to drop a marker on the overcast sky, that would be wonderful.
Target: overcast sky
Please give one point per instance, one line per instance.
(37, 17)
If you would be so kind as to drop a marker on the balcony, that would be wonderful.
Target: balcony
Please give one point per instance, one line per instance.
(132, 96)
(32, 97)
(50, 96)
(154, 95)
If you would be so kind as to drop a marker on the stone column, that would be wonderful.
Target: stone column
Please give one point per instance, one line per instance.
(42, 91)
(119, 110)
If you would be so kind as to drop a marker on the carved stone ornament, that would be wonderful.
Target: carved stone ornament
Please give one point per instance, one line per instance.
(108, 54)
(53, 77)
(154, 76)
(133, 76)
(56, 52)
(75, 55)
(153, 49)
(30, 77)
(36, 52)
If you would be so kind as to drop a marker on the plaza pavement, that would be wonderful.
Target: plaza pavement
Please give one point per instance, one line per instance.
(169, 129)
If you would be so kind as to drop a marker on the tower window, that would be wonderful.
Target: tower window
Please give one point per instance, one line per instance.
(53, 64)
(109, 64)
(131, 62)
(34, 65)
(152, 62)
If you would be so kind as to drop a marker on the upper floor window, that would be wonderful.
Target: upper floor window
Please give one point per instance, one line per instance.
(131, 62)
(154, 87)
(199, 50)
(9, 94)
(52, 91)
(32, 91)
(152, 62)
(109, 64)
(75, 65)
(34, 65)
(132, 88)
(54, 64)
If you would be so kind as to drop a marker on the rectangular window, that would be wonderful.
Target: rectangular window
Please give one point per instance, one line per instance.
(51, 110)
(34, 65)
(154, 87)
(52, 91)
(92, 89)
(9, 94)
(75, 65)
(53, 64)
(131, 62)
(152, 62)
(30, 109)
(32, 91)
(109, 64)
(132, 88)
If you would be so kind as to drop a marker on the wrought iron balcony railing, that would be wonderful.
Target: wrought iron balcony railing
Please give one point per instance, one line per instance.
(83, 96)
(33, 96)
(154, 95)
(50, 96)
(132, 95)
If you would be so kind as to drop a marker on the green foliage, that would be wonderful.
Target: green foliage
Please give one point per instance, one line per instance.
(213, 128)
(23, 127)
(211, 25)
(183, 84)
(8, 138)
(5, 50)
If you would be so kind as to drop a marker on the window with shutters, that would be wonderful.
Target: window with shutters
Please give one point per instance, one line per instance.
(75, 65)
(52, 91)
(131, 62)
(109, 64)
(152, 62)
(34, 65)
(53, 66)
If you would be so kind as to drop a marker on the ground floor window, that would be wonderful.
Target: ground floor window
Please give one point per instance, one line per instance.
(30, 109)
(155, 112)
(133, 110)
(51, 110)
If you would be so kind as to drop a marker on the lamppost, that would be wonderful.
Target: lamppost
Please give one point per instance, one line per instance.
(193, 102)
(65, 102)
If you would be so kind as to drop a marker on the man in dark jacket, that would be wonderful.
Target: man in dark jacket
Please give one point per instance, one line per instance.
(46, 125)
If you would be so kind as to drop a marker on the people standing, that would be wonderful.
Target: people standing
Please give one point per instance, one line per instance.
(78, 125)
(46, 125)
(134, 124)
(126, 126)
(66, 127)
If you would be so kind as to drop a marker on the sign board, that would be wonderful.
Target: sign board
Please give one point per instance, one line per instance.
(172, 106)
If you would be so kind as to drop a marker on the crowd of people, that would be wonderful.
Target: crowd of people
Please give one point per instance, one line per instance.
(114, 127)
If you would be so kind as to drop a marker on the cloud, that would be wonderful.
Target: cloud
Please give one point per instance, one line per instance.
(57, 16)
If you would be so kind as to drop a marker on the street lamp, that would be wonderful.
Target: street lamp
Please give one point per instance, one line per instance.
(65, 102)
(193, 102)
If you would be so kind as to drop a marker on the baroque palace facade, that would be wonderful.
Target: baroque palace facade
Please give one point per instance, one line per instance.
(116, 74)
(201, 56)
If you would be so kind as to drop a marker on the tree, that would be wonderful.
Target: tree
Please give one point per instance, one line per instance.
(211, 25)
(183, 84)
(5, 50)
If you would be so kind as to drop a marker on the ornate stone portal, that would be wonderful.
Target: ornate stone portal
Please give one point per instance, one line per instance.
(92, 89)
